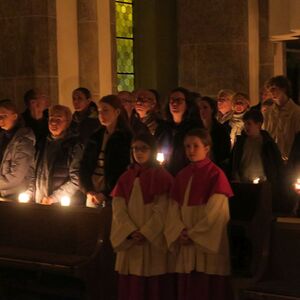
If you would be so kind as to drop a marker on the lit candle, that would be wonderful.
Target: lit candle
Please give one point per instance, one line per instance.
(297, 184)
(23, 198)
(160, 157)
(256, 180)
(65, 201)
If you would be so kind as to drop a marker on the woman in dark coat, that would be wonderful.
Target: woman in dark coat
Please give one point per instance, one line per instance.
(85, 118)
(107, 153)
(182, 115)
(220, 150)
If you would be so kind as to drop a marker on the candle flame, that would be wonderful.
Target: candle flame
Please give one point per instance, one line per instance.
(256, 180)
(160, 157)
(23, 198)
(65, 201)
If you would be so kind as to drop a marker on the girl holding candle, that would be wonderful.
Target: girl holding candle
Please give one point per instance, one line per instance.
(139, 209)
(196, 225)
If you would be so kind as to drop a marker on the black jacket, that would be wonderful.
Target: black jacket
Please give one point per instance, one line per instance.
(85, 123)
(39, 127)
(61, 167)
(271, 157)
(221, 145)
(178, 159)
(272, 164)
(116, 159)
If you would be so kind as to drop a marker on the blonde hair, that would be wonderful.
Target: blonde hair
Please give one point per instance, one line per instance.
(61, 109)
(239, 96)
(226, 93)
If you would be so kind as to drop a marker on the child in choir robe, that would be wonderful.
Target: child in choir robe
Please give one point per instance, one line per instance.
(196, 225)
(140, 203)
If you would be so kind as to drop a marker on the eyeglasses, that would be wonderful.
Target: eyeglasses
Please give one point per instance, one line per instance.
(144, 100)
(141, 149)
(3, 117)
(177, 100)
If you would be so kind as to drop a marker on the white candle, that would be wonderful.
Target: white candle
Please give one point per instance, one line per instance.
(65, 201)
(160, 157)
(23, 198)
(297, 184)
(256, 180)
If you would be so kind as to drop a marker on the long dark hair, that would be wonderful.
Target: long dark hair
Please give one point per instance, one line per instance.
(212, 103)
(115, 102)
(191, 112)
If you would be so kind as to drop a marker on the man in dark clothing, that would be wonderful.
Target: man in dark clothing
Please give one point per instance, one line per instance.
(36, 114)
(16, 152)
(57, 164)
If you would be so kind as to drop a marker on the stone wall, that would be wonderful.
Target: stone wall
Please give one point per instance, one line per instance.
(213, 45)
(28, 55)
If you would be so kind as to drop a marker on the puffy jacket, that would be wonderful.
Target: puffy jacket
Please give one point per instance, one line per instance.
(16, 167)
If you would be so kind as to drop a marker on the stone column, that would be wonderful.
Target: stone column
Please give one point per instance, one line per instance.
(28, 55)
(67, 50)
(266, 47)
(155, 44)
(95, 46)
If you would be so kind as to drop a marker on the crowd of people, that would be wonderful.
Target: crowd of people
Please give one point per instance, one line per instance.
(168, 216)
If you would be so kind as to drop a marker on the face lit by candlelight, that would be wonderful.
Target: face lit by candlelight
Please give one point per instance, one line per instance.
(177, 104)
(80, 101)
(57, 123)
(141, 152)
(195, 149)
(145, 102)
(108, 115)
(8, 118)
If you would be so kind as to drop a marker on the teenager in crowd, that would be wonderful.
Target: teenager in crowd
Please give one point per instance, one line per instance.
(107, 152)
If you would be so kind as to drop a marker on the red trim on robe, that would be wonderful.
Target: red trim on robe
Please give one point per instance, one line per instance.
(154, 181)
(208, 179)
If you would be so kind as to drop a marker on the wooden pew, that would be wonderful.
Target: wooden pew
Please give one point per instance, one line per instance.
(281, 280)
(249, 227)
(66, 242)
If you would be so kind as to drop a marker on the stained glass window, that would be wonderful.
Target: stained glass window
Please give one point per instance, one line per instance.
(124, 41)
